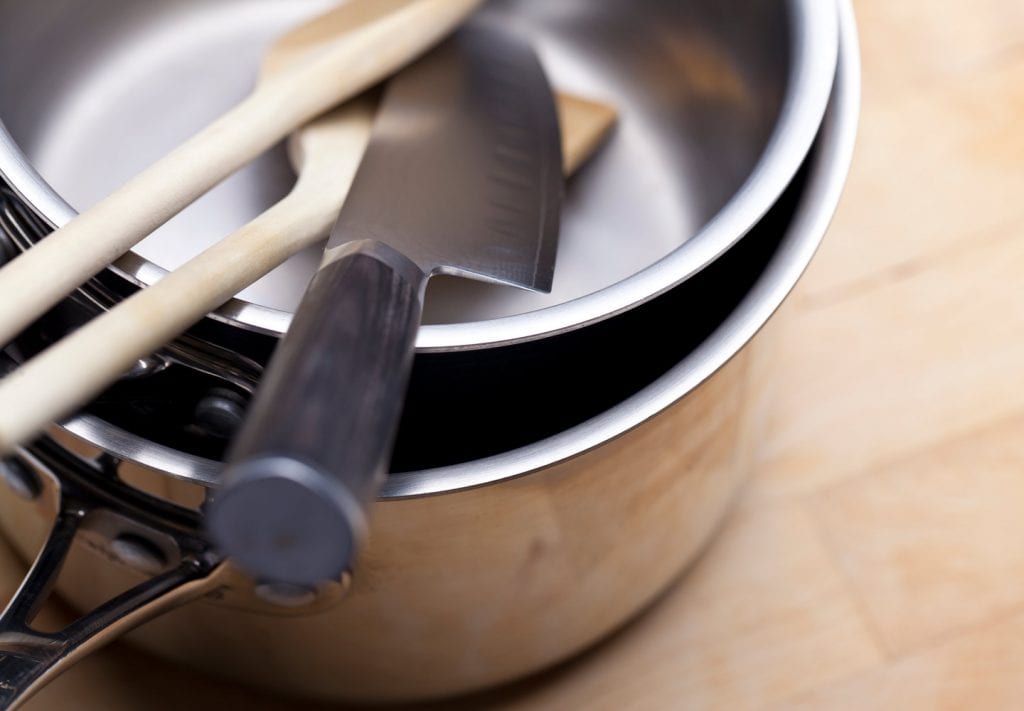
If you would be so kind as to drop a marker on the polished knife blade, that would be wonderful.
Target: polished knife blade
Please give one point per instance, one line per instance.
(463, 172)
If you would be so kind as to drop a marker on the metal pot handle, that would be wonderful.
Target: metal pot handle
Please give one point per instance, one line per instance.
(29, 658)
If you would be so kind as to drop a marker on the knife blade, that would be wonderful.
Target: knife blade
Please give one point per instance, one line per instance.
(462, 176)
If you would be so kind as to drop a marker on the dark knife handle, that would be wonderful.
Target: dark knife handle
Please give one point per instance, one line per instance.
(316, 445)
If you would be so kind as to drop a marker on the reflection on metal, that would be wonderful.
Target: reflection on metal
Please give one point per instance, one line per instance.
(688, 173)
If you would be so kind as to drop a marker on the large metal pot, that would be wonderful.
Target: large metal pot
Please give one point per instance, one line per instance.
(480, 572)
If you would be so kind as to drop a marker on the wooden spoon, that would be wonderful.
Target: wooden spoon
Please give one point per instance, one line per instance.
(327, 153)
(318, 66)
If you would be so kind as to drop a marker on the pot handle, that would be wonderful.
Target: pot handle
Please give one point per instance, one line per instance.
(29, 658)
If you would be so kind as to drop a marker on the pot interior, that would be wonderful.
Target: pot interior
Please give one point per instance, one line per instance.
(93, 92)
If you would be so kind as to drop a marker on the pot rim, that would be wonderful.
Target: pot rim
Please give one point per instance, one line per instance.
(812, 70)
(829, 171)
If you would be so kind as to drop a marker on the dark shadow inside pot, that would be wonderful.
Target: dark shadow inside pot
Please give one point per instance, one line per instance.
(467, 406)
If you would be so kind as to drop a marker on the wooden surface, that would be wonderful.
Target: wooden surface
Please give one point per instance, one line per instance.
(877, 559)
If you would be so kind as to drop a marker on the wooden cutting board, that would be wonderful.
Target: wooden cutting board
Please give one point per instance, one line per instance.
(877, 560)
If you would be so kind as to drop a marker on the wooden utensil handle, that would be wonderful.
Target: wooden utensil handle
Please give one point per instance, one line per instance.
(45, 274)
(316, 444)
(68, 374)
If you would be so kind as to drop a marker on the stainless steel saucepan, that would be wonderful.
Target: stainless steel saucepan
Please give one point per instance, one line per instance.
(720, 102)
(493, 553)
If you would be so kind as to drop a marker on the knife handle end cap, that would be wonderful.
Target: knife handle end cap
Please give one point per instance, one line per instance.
(282, 521)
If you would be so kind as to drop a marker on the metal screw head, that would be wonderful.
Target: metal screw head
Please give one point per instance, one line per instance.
(221, 412)
(137, 552)
(21, 479)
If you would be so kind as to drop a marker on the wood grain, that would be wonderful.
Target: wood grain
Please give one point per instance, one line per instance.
(947, 137)
(83, 364)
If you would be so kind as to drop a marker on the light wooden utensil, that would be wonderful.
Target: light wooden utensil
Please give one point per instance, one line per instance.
(326, 153)
(585, 126)
(318, 66)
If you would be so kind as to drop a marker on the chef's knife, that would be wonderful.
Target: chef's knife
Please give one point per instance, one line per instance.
(463, 177)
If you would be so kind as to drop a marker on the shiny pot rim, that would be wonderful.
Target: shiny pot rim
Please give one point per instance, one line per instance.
(811, 73)
(829, 170)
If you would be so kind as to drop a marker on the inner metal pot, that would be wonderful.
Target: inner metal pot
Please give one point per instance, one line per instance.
(720, 102)
(479, 573)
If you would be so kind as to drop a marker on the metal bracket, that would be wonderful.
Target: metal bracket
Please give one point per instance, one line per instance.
(30, 658)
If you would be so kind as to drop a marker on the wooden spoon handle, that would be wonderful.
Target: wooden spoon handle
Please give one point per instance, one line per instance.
(78, 368)
(41, 277)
